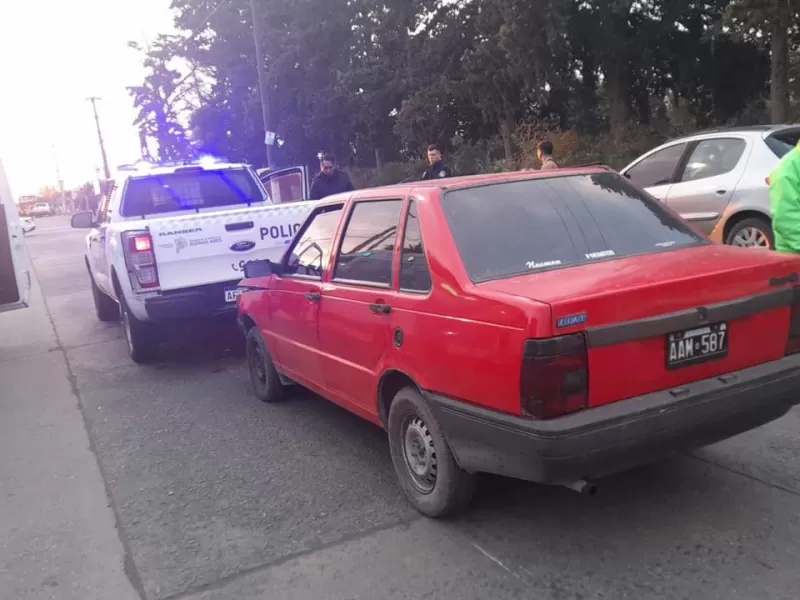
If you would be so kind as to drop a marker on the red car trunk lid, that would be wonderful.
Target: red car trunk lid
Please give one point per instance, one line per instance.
(644, 315)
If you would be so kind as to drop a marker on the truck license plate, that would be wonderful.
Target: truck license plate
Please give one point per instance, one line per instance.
(232, 294)
(698, 345)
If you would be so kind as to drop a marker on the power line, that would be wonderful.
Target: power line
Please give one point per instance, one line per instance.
(201, 7)
(195, 31)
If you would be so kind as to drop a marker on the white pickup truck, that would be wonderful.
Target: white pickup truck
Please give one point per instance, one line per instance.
(169, 242)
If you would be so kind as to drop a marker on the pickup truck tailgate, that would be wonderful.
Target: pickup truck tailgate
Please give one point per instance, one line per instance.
(212, 247)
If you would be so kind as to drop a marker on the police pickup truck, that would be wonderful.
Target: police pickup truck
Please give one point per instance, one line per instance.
(169, 242)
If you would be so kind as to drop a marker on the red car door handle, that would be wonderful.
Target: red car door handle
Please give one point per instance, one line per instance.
(313, 296)
(380, 309)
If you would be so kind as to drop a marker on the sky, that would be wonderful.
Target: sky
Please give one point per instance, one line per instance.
(53, 55)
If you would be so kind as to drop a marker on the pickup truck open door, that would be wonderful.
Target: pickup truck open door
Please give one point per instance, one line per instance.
(286, 185)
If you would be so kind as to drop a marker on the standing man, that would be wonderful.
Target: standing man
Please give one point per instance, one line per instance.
(784, 199)
(436, 169)
(329, 180)
(544, 152)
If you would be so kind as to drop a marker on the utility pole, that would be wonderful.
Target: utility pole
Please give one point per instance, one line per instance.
(94, 100)
(269, 136)
(59, 181)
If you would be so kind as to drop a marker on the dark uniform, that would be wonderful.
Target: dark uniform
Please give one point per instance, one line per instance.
(328, 185)
(437, 170)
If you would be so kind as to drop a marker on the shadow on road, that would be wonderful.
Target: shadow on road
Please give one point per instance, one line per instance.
(187, 344)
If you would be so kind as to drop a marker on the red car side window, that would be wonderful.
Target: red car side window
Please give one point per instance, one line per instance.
(414, 273)
(309, 254)
(368, 244)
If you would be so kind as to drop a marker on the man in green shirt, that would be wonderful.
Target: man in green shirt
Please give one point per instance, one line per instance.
(784, 198)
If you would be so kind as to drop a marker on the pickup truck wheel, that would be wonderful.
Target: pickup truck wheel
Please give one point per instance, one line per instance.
(266, 381)
(107, 310)
(423, 461)
(140, 336)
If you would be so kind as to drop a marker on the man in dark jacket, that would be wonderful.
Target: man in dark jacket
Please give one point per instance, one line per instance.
(330, 180)
(437, 169)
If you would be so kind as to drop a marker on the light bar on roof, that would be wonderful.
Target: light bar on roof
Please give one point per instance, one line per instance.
(144, 165)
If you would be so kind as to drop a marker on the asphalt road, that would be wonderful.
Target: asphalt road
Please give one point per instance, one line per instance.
(219, 496)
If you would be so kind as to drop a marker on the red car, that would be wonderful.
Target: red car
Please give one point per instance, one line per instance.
(553, 327)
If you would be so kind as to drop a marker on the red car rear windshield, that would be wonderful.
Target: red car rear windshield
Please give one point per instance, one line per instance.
(513, 228)
(189, 190)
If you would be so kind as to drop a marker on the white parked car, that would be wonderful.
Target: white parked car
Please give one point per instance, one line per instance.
(27, 225)
(42, 209)
(170, 242)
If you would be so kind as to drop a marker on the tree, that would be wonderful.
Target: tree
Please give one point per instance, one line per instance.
(49, 194)
(158, 99)
(772, 20)
(378, 80)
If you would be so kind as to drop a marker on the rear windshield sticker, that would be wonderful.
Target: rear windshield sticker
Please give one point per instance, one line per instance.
(602, 254)
(541, 265)
(571, 320)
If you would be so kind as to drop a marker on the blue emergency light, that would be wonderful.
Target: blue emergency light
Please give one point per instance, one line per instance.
(145, 165)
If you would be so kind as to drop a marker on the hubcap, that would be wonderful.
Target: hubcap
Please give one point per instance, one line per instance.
(751, 237)
(257, 364)
(420, 454)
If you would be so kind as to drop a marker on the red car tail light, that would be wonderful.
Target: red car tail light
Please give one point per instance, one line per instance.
(555, 376)
(141, 260)
(793, 340)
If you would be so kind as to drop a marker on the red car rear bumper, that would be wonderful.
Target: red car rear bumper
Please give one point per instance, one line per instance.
(608, 439)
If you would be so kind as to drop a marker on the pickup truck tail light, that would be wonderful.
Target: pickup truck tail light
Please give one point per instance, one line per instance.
(793, 340)
(140, 260)
(555, 376)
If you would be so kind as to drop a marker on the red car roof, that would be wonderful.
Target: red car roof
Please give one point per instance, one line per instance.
(483, 179)
(468, 181)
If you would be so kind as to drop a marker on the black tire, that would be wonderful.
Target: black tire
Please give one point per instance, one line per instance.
(760, 225)
(142, 338)
(263, 375)
(106, 308)
(439, 488)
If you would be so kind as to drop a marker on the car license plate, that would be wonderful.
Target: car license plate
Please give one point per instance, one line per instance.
(694, 346)
(232, 294)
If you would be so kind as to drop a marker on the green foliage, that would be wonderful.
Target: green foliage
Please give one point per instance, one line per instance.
(376, 81)
(159, 99)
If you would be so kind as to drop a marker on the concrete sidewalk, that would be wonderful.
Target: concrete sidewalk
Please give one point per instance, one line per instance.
(57, 532)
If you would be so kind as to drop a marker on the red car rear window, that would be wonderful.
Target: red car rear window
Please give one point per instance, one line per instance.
(512, 228)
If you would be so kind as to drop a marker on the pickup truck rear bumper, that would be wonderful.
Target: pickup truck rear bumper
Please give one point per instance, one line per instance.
(191, 303)
(615, 437)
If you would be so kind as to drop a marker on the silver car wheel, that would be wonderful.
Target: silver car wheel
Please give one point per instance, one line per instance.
(751, 237)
